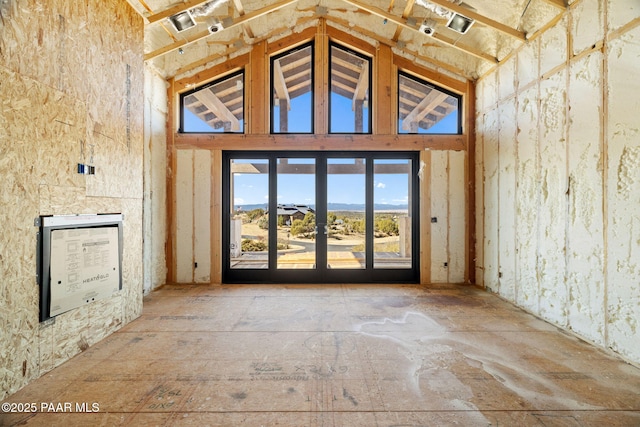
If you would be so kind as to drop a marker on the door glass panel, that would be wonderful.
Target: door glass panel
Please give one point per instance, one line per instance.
(346, 213)
(296, 187)
(392, 223)
(249, 228)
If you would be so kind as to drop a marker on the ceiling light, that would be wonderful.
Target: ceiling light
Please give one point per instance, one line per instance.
(460, 23)
(428, 27)
(216, 27)
(182, 21)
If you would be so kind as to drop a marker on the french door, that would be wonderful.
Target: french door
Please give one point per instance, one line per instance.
(320, 217)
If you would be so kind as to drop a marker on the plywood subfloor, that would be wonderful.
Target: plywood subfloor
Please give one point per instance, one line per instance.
(339, 355)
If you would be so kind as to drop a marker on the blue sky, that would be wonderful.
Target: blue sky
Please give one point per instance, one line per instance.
(390, 189)
(300, 188)
(342, 119)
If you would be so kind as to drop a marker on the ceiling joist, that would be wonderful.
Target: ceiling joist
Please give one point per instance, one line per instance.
(403, 22)
(174, 10)
(561, 4)
(480, 18)
(203, 34)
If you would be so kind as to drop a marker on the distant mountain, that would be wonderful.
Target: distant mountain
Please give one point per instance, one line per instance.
(336, 207)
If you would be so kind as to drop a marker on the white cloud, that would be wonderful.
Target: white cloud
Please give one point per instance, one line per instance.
(381, 185)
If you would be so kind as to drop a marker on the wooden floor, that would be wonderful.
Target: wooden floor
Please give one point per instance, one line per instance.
(340, 355)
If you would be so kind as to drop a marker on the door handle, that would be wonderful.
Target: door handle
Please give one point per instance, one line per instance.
(326, 229)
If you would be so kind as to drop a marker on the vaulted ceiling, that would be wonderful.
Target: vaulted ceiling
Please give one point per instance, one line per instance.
(218, 30)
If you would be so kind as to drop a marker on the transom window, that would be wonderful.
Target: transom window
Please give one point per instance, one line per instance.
(350, 91)
(214, 107)
(426, 108)
(292, 91)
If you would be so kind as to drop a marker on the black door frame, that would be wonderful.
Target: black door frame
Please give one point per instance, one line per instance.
(321, 274)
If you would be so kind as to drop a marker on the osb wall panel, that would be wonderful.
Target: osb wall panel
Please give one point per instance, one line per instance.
(576, 155)
(71, 80)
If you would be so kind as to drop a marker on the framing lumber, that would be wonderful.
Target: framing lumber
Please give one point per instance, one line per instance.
(505, 29)
(182, 7)
(204, 34)
(442, 39)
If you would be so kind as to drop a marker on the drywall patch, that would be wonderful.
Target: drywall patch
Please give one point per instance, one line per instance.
(628, 172)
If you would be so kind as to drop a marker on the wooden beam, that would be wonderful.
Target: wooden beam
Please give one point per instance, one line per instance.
(336, 142)
(257, 93)
(505, 29)
(362, 86)
(182, 7)
(560, 4)
(280, 86)
(431, 101)
(439, 79)
(203, 34)
(470, 181)
(216, 217)
(384, 92)
(425, 217)
(171, 126)
(217, 107)
(403, 22)
(408, 8)
(240, 9)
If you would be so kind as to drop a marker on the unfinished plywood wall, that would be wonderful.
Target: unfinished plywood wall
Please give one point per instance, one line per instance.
(558, 175)
(71, 91)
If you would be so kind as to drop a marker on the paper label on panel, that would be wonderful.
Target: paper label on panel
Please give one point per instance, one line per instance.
(84, 266)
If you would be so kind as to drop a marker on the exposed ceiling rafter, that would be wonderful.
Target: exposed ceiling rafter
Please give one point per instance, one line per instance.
(203, 34)
(405, 14)
(385, 41)
(175, 9)
(505, 29)
(403, 22)
(240, 9)
(561, 4)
